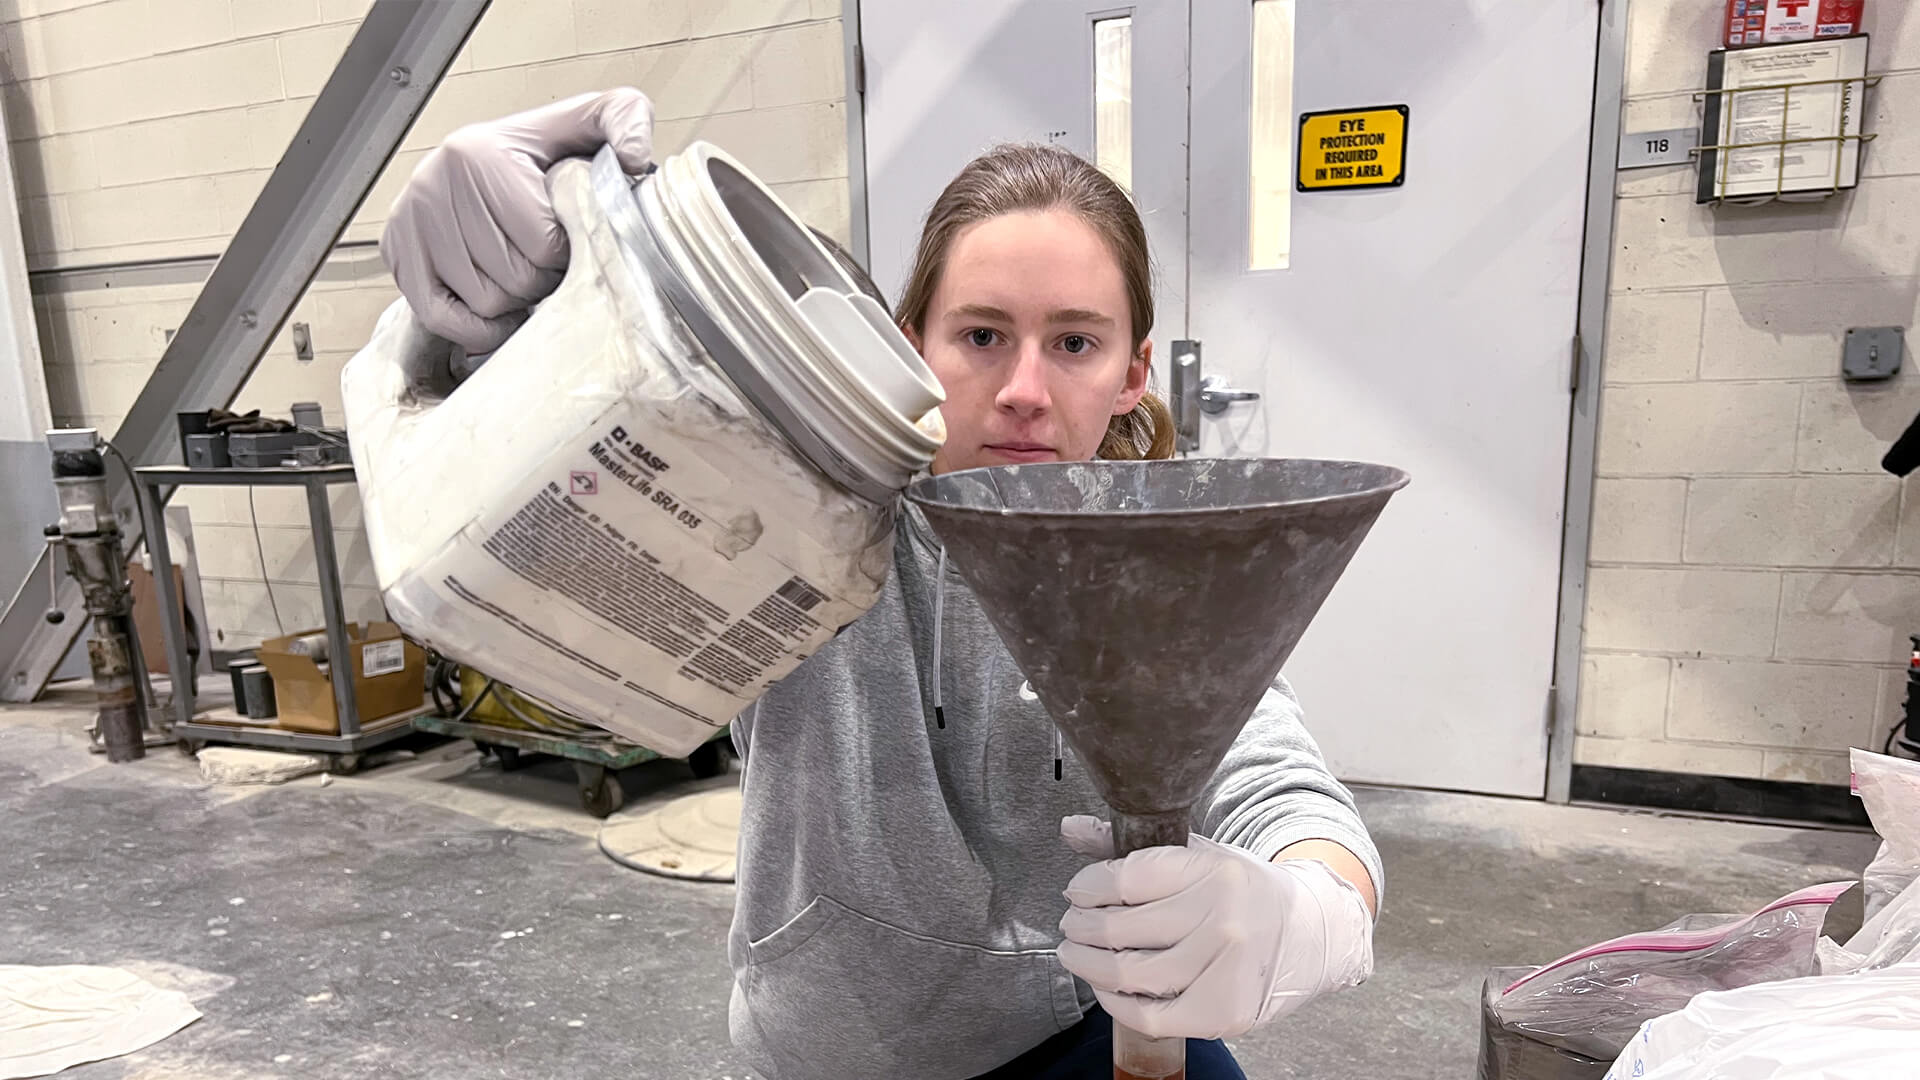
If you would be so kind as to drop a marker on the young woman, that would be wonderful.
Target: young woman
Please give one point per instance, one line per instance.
(901, 869)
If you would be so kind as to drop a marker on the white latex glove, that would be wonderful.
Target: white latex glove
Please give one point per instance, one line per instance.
(1207, 941)
(472, 239)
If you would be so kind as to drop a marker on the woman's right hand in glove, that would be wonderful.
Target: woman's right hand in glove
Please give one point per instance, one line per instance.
(472, 239)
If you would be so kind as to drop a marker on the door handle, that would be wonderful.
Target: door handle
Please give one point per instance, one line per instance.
(1186, 396)
(1215, 395)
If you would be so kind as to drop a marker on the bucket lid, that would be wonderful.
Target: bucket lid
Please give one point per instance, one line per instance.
(815, 355)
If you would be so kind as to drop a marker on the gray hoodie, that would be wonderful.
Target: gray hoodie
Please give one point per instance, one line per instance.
(900, 883)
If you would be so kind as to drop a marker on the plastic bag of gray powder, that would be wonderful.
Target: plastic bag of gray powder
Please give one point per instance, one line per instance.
(1507, 1052)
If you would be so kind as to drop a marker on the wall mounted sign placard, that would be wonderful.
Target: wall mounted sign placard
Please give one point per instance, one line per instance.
(1671, 146)
(1353, 148)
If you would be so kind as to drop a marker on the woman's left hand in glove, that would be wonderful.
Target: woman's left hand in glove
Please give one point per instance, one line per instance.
(1207, 941)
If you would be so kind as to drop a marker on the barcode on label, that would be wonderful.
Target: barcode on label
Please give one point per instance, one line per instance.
(383, 658)
(800, 594)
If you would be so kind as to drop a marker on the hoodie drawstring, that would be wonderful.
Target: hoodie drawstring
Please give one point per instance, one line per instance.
(939, 626)
(939, 619)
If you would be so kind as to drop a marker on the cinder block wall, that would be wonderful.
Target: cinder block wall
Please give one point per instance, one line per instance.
(1754, 574)
(143, 129)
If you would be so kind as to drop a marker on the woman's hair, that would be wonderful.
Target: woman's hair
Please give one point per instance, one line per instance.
(1024, 177)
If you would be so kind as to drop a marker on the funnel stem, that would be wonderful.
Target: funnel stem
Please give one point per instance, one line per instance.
(1143, 1057)
(1131, 832)
(1137, 1056)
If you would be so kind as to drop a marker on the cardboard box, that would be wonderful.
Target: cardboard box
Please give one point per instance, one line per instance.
(1770, 22)
(146, 614)
(389, 676)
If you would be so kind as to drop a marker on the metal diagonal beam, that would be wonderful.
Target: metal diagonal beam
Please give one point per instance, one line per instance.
(400, 53)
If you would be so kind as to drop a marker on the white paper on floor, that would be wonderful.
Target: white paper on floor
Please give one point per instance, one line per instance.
(52, 1018)
(242, 765)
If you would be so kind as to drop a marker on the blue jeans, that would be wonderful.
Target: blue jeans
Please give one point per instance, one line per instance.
(1085, 1052)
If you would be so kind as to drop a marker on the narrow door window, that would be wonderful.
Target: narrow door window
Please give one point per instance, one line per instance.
(1270, 209)
(1113, 98)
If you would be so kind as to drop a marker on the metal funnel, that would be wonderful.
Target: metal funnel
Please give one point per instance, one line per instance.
(1151, 603)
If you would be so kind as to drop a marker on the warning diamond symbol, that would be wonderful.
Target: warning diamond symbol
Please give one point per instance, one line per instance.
(586, 483)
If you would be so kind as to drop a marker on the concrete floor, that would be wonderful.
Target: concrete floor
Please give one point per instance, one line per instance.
(361, 929)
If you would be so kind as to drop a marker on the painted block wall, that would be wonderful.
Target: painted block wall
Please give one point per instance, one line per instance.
(143, 129)
(1754, 574)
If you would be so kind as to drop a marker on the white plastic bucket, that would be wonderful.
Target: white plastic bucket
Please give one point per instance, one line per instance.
(673, 483)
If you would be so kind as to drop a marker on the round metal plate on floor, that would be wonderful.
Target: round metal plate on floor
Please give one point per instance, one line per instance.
(692, 837)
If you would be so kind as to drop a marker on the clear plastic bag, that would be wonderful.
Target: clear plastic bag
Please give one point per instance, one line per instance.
(1890, 788)
(1507, 1054)
(1592, 1001)
(1861, 1027)
(1896, 933)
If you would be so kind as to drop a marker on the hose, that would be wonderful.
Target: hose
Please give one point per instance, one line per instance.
(443, 683)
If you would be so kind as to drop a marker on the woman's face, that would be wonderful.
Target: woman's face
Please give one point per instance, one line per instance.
(1028, 332)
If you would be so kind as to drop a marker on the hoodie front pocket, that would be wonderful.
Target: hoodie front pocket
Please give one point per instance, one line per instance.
(835, 993)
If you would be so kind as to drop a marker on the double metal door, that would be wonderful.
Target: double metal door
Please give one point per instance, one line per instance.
(1426, 325)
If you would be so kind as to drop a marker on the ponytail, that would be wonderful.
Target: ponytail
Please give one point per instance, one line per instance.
(1144, 433)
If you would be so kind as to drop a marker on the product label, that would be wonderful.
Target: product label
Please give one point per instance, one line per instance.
(383, 657)
(633, 533)
(556, 542)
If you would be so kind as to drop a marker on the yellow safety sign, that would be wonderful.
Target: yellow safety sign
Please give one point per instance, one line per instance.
(1353, 148)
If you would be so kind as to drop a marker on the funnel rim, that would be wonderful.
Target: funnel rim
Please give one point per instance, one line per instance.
(1393, 479)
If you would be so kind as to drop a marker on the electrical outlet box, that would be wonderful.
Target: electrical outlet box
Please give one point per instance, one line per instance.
(1872, 352)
